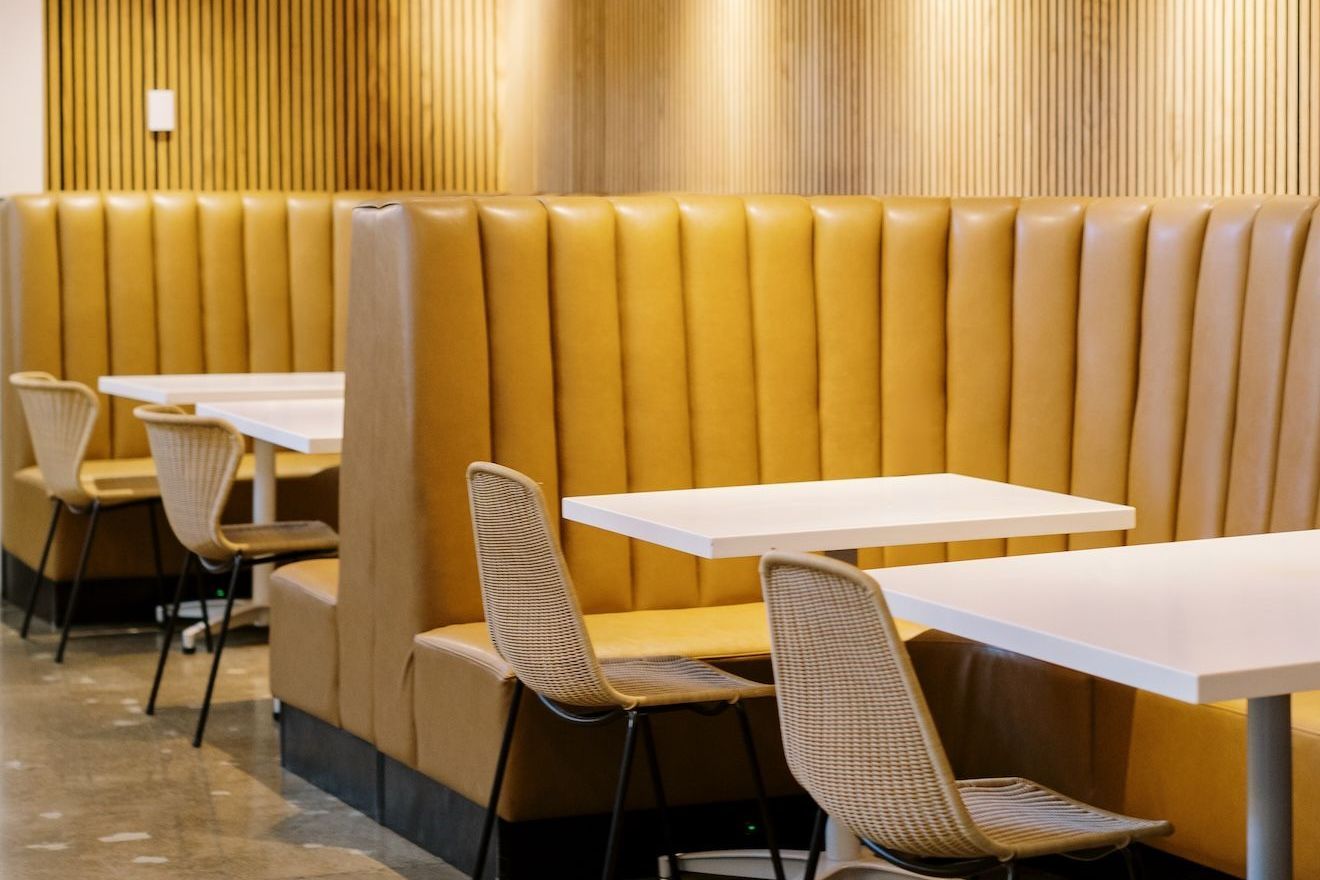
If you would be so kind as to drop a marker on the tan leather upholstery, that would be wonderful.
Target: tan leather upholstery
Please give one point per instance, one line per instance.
(304, 645)
(170, 282)
(1158, 352)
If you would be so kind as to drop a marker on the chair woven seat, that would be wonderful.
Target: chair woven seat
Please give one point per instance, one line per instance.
(668, 681)
(1031, 820)
(293, 536)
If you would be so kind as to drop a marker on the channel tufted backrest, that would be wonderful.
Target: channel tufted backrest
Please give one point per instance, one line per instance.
(1157, 351)
(166, 282)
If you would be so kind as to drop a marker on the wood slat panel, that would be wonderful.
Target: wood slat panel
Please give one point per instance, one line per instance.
(984, 97)
(273, 94)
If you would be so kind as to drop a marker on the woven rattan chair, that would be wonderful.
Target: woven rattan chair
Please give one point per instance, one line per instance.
(536, 625)
(196, 461)
(60, 417)
(859, 738)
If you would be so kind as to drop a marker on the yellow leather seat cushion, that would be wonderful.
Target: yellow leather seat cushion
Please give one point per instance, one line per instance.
(291, 465)
(1188, 763)
(304, 639)
(719, 632)
(308, 490)
(463, 691)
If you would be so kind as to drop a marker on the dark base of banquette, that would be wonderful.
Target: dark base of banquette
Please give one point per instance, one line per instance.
(448, 825)
(105, 601)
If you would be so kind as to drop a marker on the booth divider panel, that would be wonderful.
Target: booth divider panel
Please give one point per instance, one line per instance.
(913, 285)
(224, 303)
(1108, 339)
(83, 321)
(437, 387)
(1173, 260)
(1277, 242)
(847, 240)
(1047, 253)
(132, 310)
(1297, 479)
(779, 246)
(342, 219)
(266, 283)
(178, 283)
(658, 425)
(979, 329)
(1212, 386)
(311, 281)
(375, 406)
(721, 369)
(589, 391)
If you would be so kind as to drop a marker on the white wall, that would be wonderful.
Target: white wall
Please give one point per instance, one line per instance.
(22, 97)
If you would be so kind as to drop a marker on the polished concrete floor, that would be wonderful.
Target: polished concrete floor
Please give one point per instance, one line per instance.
(90, 787)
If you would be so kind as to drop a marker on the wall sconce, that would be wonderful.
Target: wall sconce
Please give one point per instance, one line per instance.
(160, 110)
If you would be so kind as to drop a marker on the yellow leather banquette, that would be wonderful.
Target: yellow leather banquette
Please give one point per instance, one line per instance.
(170, 282)
(1162, 353)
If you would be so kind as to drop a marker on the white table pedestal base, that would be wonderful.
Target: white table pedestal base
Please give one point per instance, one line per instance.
(755, 863)
(1269, 788)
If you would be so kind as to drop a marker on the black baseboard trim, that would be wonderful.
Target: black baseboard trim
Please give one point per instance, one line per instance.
(446, 824)
(332, 759)
(103, 600)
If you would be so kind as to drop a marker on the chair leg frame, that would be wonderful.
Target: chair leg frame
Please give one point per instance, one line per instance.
(56, 506)
(199, 585)
(493, 802)
(219, 650)
(620, 797)
(171, 622)
(763, 803)
(78, 580)
(658, 787)
(638, 727)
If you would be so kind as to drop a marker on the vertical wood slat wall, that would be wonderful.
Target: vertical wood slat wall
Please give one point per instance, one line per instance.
(977, 97)
(273, 94)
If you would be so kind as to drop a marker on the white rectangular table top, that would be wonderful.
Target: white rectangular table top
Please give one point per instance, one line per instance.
(731, 521)
(315, 425)
(1198, 621)
(188, 388)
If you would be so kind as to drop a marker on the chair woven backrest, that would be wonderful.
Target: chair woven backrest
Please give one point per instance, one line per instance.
(60, 417)
(857, 732)
(531, 607)
(196, 461)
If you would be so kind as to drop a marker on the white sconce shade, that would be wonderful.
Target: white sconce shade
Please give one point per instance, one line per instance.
(160, 110)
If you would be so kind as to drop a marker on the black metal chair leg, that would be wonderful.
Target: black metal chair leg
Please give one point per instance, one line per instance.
(77, 581)
(219, 650)
(56, 506)
(658, 786)
(817, 845)
(493, 802)
(199, 582)
(762, 801)
(162, 591)
(620, 796)
(1132, 861)
(171, 621)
